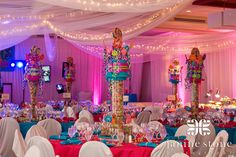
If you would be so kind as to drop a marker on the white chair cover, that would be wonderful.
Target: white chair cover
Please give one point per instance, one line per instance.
(19, 145)
(33, 151)
(156, 114)
(167, 149)
(81, 125)
(135, 127)
(70, 112)
(45, 147)
(182, 131)
(230, 151)
(217, 148)
(36, 130)
(82, 119)
(201, 146)
(87, 114)
(7, 130)
(48, 108)
(180, 155)
(76, 109)
(51, 126)
(143, 117)
(234, 119)
(156, 123)
(95, 149)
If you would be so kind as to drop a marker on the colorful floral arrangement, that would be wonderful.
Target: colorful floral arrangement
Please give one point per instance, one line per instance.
(69, 74)
(195, 66)
(174, 72)
(33, 68)
(117, 60)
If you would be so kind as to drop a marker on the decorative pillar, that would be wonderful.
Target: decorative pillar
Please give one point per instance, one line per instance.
(69, 73)
(117, 62)
(194, 76)
(33, 75)
(117, 102)
(174, 78)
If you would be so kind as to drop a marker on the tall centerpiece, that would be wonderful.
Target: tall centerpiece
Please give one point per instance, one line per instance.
(174, 72)
(117, 62)
(69, 73)
(33, 74)
(194, 76)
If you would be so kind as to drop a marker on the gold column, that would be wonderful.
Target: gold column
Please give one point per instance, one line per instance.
(117, 102)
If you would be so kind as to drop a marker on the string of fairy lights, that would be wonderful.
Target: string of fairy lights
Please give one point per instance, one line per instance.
(82, 35)
(155, 47)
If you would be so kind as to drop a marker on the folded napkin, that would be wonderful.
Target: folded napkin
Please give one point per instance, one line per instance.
(66, 134)
(181, 137)
(56, 137)
(97, 112)
(104, 136)
(97, 132)
(71, 141)
(147, 144)
(108, 144)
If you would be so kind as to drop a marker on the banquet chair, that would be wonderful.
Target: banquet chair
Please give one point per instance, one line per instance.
(35, 130)
(182, 131)
(19, 145)
(45, 147)
(180, 155)
(143, 117)
(87, 114)
(70, 112)
(33, 151)
(82, 119)
(95, 149)
(167, 149)
(48, 108)
(156, 114)
(217, 148)
(230, 151)
(201, 147)
(51, 126)
(156, 123)
(8, 126)
(81, 125)
(76, 109)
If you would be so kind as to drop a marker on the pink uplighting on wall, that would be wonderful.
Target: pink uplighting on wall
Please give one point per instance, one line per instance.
(96, 97)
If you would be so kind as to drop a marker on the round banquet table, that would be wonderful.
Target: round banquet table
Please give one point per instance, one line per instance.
(25, 126)
(126, 150)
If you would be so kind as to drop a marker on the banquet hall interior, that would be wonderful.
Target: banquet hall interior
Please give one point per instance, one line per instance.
(117, 78)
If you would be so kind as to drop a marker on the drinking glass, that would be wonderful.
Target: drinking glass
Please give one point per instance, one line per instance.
(70, 132)
(88, 135)
(149, 136)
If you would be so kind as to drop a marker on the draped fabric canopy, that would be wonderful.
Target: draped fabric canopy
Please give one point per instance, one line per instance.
(21, 19)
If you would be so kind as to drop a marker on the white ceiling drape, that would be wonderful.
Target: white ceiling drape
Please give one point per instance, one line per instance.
(130, 6)
(20, 19)
(84, 28)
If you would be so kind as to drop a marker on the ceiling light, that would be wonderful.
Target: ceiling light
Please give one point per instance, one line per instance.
(188, 11)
